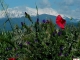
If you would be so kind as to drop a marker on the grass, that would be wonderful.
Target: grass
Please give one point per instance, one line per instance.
(40, 41)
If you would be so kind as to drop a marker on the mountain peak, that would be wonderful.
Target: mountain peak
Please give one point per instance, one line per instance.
(19, 12)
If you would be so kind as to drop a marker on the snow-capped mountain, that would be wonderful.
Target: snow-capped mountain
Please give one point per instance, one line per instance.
(18, 20)
(19, 12)
(17, 16)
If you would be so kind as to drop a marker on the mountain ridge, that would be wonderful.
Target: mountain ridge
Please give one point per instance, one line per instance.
(19, 12)
(18, 21)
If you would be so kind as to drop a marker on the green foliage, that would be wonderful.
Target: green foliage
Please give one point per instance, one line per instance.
(25, 44)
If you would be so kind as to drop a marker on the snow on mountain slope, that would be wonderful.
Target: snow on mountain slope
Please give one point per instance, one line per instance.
(19, 12)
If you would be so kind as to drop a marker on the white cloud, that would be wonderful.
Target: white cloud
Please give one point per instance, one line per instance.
(68, 2)
(44, 3)
(70, 8)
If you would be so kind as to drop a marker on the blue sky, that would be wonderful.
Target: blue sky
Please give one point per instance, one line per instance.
(14, 3)
(30, 3)
(56, 4)
(69, 8)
